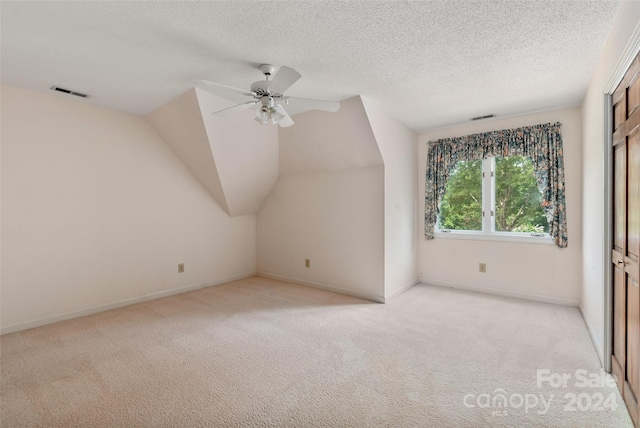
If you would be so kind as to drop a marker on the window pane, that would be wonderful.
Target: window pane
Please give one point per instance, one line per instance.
(461, 206)
(517, 197)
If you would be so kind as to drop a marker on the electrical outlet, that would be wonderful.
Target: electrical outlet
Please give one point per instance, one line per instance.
(483, 267)
(180, 267)
(307, 263)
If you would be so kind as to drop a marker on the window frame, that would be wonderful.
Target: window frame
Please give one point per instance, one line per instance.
(489, 232)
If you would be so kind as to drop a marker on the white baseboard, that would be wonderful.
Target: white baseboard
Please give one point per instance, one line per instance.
(102, 308)
(594, 339)
(366, 296)
(505, 293)
(398, 292)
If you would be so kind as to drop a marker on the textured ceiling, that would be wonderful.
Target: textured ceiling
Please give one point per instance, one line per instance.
(428, 64)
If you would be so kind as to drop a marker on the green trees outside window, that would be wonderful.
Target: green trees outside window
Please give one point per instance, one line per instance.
(512, 195)
(517, 197)
(461, 205)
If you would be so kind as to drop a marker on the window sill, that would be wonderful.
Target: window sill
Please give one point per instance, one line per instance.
(496, 237)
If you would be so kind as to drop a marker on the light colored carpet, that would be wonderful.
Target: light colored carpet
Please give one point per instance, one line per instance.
(260, 352)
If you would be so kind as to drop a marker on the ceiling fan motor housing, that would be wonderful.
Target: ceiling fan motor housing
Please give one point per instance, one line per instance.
(261, 88)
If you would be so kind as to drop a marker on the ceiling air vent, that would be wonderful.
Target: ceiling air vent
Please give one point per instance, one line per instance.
(68, 91)
(483, 117)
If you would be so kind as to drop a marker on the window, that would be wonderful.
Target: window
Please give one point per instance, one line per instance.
(506, 204)
(495, 197)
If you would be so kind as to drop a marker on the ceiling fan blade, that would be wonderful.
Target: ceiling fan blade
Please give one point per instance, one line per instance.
(242, 106)
(224, 91)
(286, 121)
(284, 78)
(299, 105)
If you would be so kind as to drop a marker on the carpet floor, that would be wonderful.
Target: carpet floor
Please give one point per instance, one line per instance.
(260, 352)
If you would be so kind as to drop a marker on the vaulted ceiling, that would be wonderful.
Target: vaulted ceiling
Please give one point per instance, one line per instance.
(428, 64)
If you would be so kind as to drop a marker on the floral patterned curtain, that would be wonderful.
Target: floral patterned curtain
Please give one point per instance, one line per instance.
(540, 143)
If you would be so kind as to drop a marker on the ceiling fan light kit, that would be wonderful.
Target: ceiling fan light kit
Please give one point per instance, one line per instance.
(266, 114)
(268, 97)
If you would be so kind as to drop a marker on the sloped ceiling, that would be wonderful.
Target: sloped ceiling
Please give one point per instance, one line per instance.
(245, 153)
(427, 63)
(321, 141)
(239, 161)
(234, 157)
(180, 124)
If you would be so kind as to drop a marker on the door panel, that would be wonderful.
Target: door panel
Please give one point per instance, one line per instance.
(625, 231)
(619, 115)
(631, 266)
(619, 196)
(633, 338)
(633, 95)
(633, 208)
(619, 318)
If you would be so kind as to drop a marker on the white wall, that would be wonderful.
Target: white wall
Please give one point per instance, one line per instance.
(537, 271)
(97, 210)
(333, 218)
(327, 206)
(593, 205)
(399, 148)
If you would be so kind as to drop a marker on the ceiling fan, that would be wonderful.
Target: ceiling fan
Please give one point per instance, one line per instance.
(268, 97)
